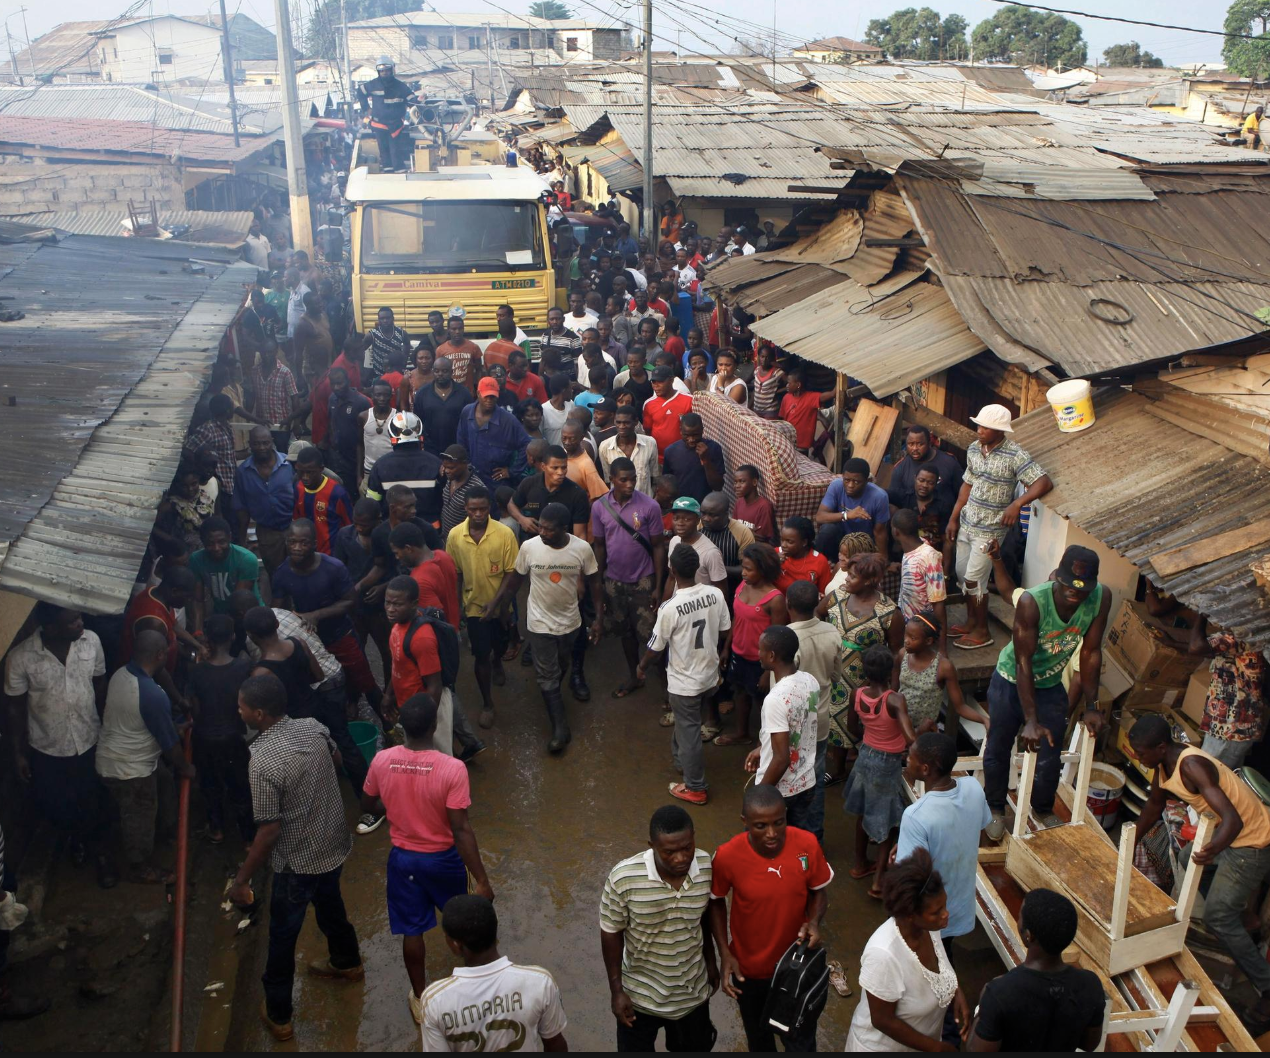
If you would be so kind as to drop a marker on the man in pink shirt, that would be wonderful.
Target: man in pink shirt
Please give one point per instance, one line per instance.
(425, 795)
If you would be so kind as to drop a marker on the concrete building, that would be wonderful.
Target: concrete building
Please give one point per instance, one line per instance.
(837, 49)
(169, 48)
(424, 39)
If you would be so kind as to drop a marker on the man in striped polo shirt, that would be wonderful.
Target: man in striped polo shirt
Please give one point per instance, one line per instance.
(656, 942)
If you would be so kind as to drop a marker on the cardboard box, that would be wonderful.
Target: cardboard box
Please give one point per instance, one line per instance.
(1146, 651)
(1196, 694)
(1150, 696)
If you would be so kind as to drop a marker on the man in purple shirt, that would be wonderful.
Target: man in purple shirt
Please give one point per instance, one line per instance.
(493, 437)
(630, 549)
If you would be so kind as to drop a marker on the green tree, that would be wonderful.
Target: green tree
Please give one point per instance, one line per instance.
(1130, 54)
(919, 34)
(552, 9)
(1021, 35)
(322, 37)
(1248, 58)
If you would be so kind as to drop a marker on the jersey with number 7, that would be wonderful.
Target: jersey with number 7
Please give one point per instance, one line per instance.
(688, 625)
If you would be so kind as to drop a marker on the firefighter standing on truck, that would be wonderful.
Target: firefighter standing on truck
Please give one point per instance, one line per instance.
(383, 102)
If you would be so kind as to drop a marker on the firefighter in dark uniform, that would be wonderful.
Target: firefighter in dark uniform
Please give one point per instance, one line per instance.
(383, 102)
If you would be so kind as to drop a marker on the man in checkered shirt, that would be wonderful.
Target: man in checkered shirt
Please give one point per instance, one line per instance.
(301, 830)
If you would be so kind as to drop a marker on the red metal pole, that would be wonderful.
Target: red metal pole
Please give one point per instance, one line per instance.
(182, 877)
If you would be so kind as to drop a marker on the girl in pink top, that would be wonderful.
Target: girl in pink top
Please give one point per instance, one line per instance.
(874, 792)
(757, 605)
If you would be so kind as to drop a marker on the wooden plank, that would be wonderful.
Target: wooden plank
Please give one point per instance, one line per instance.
(1023, 798)
(1210, 549)
(1080, 793)
(955, 434)
(1189, 968)
(870, 432)
(911, 242)
(1190, 880)
(1124, 882)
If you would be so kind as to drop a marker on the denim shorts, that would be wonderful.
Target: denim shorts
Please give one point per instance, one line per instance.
(745, 675)
(419, 884)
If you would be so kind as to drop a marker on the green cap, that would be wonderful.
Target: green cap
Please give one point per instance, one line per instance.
(686, 503)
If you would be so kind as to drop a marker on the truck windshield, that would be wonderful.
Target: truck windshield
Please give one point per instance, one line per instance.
(451, 237)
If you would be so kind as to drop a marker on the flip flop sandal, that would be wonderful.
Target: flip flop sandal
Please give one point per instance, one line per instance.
(667, 719)
(833, 780)
(863, 872)
(875, 893)
(838, 978)
(732, 740)
(957, 630)
(626, 688)
(709, 732)
(966, 643)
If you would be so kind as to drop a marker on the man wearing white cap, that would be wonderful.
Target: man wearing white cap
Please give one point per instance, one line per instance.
(985, 510)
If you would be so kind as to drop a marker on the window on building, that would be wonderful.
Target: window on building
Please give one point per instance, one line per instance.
(165, 58)
(551, 41)
(445, 43)
(570, 43)
(268, 80)
(513, 41)
(418, 38)
(473, 43)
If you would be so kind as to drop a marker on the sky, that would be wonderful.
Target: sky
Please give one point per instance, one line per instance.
(674, 21)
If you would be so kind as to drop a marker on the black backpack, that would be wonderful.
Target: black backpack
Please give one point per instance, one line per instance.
(800, 988)
(447, 642)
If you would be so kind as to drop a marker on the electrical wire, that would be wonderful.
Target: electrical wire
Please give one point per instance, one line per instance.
(1133, 21)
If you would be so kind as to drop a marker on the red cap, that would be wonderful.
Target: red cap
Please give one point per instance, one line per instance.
(488, 387)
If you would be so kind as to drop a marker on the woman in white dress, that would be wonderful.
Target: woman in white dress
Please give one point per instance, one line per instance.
(724, 381)
(905, 974)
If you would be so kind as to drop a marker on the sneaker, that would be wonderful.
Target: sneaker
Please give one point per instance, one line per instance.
(468, 752)
(693, 797)
(996, 827)
(323, 968)
(416, 1007)
(368, 823)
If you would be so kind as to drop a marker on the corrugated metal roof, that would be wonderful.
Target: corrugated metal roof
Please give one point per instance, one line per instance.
(205, 228)
(888, 343)
(613, 161)
(104, 372)
(123, 102)
(131, 137)
(1102, 483)
(70, 48)
(1056, 183)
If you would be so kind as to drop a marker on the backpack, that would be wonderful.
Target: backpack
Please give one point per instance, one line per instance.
(799, 990)
(447, 642)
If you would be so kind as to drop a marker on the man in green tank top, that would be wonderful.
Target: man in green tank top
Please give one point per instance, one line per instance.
(1026, 696)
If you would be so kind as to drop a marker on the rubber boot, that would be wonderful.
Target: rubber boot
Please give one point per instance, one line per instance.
(578, 684)
(560, 735)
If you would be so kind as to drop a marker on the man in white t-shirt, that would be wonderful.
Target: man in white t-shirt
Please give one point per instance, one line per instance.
(685, 516)
(692, 625)
(490, 1003)
(786, 754)
(553, 561)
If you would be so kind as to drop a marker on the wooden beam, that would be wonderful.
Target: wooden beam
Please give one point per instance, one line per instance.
(821, 189)
(955, 433)
(1080, 792)
(911, 242)
(1124, 878)
(1179, 559)
(1023, 798)
(1190, 880)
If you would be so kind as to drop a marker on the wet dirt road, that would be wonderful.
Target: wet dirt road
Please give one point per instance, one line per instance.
(550, 829)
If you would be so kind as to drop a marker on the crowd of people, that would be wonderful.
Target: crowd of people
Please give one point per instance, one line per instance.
(397, 494)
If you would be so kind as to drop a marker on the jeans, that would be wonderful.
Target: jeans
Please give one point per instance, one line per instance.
(462, 726)
(1007, 719)
(685, 741)
(829, 536)
(221, 764)
(759, 1035)
(1231, 754)
(288, 904)
(814, 820)
(692, 1032)
(138, 804)
(552, 656)
(800, 810)
(1240, 873)
(69, 793)
(587, 611)
(328, 709)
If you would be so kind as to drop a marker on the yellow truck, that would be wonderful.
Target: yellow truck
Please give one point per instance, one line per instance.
(447, 236)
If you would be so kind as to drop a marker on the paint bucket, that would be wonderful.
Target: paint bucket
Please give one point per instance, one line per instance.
(1072, 404)
(1106, 787)
(365, 736)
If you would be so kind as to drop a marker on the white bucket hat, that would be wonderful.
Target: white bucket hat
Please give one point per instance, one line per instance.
(994, 417)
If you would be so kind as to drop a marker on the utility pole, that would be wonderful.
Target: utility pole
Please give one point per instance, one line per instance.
(297, 178)
(30, 58)
(489, 63)
(650, 210)
(13, 55)
(228, 59)
(348, 68)
(774, 85)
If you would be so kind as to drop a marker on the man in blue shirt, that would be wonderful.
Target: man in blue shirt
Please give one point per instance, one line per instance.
(494, 438)
(264, 493)
(853, 504)
(697, 464)
(626, 245)
(946, 821)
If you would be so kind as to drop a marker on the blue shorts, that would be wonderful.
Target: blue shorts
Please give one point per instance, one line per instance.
(419, 884)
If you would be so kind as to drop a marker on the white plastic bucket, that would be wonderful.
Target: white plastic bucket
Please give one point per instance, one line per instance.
(1106, 788)
(1072, 404)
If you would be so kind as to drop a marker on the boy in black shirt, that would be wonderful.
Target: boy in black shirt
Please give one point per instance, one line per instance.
(1042, 1005)
(551, 485)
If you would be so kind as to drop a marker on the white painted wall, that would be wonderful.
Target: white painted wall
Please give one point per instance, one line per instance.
(132, 54)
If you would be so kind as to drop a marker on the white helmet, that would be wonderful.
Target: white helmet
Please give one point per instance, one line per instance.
(404, 426)
(384, 60)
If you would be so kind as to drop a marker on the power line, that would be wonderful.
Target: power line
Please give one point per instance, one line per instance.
(1134, 21)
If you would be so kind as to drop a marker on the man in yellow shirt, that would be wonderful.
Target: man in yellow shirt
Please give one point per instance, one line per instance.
(1252, 128)
(484, 550)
